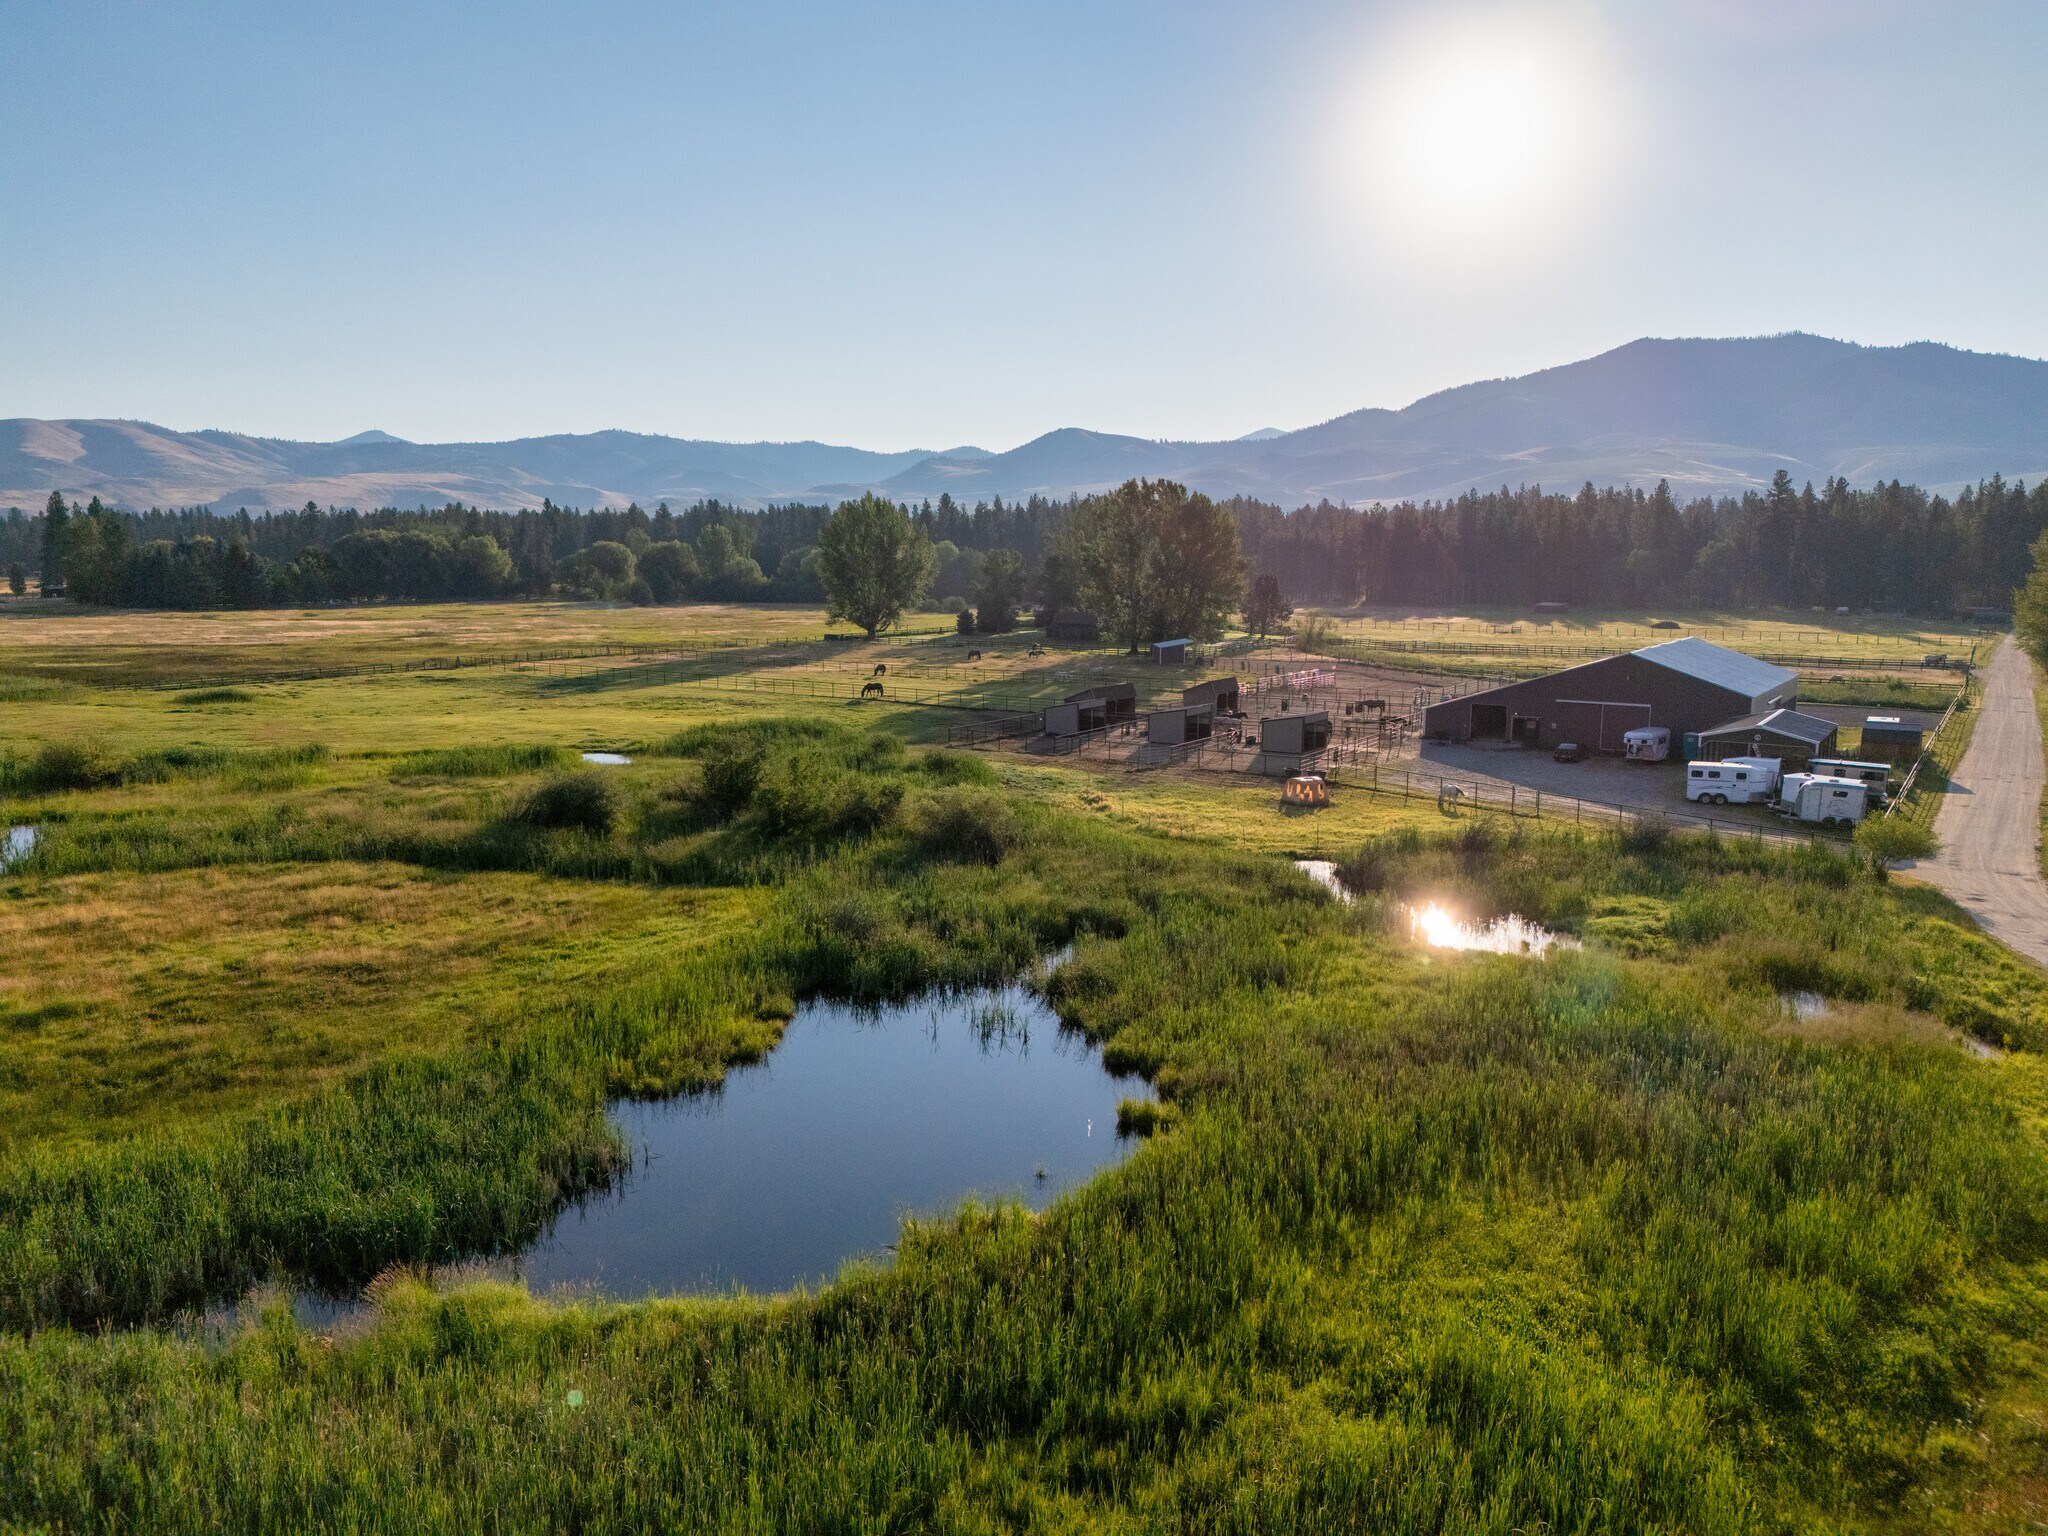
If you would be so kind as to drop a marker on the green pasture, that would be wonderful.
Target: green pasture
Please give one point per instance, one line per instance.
(327, 982)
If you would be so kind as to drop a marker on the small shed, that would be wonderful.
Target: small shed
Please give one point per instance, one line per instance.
(1889, 738)
(1286, 742)
(1782, 733)
(1219, 692)
(1177, 727)
(1075, 624)
(1170, 653)
(1093, 709)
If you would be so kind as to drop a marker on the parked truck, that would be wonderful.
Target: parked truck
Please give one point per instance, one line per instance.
(1819, 798)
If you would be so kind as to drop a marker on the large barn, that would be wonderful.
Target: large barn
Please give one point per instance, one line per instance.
(1686, 685)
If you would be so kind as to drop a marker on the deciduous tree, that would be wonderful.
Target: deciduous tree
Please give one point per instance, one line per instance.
(874, 563)
(1266, 610)
(998, 592)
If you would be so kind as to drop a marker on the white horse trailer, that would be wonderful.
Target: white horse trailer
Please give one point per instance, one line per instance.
(1732, 781)
(1878, 776)
(1647, 743)
(1829, 801)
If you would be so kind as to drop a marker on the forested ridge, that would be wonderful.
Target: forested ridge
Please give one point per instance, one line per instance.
(1891, 546)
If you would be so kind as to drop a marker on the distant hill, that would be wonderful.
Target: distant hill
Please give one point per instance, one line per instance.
(1709, 416)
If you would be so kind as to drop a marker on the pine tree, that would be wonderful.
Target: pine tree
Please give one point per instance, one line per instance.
(56, 542)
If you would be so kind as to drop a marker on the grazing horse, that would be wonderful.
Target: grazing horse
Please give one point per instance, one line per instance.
(1036, 650)
(1377, 706)
(974, 655)
(880, 668)
(871, 690)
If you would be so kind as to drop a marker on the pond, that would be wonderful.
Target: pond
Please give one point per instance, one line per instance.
(1443, 929)
(609, 759)
(1509, 935)
(809, 1157)
(19, 844)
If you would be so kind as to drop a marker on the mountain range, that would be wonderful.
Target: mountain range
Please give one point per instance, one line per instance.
(1710, 416)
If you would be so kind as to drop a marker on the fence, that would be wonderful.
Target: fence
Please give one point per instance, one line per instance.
(1912, 778)
(1512, 800)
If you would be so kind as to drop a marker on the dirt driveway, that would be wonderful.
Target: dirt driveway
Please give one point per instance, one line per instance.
(1990, 821)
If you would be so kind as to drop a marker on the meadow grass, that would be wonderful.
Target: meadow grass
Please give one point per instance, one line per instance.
(1419, 1241)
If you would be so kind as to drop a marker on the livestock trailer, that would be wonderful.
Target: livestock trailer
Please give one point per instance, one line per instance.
(1831, 802)
(1732, 781)
(1647, 743)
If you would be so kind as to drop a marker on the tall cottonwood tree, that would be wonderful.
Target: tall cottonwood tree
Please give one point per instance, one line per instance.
(1266, 608)
(1154, 562)
(874, 563)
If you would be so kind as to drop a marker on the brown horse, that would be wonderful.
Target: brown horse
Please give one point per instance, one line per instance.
(871, 690)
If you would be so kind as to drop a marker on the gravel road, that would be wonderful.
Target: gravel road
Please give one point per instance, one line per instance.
(1990, 821)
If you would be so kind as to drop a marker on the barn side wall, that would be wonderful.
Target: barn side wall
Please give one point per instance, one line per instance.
(1565, 704)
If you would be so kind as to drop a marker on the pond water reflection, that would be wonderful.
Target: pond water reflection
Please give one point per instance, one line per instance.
(808, 1158)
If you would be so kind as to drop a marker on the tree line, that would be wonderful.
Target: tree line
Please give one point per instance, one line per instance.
(1890, 547)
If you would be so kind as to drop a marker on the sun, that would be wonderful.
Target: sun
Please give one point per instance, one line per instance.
(1478, 124)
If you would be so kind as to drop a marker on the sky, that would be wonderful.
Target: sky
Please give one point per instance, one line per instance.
(923, 225)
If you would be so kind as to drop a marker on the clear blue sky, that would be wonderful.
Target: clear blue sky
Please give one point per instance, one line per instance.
(926, 224)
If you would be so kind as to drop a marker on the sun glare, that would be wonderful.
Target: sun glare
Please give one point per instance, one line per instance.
(1478, 125)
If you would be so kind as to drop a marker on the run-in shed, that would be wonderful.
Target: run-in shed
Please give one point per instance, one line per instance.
(1286, 742)
(1219, 692)
(1782, 733)
(1889, 738)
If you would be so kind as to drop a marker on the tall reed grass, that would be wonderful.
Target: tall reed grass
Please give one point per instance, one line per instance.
(1426, 1243)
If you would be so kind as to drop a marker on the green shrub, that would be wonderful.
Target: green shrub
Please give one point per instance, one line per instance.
(807, 795)
(62, 765)
(216, 696)
(581, 802)
(478, 761)
(1888, 839)
(975, 826)
(943, 767)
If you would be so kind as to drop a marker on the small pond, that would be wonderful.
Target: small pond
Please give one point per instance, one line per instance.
(19, 844)
(609, 759)
(1440, 928)
(809, 1157)
(1324, 873)
(1510, 935)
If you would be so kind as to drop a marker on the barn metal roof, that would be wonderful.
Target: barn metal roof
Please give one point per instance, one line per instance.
(1789, 723)
(1716, 664)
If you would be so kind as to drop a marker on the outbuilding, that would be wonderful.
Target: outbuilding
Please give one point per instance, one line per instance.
(1786, 734)
(1177, 727)
(1220, 693)
(1287, 742)
(1075, 624)
(1170, 653)
(1888, 737)
(1093, 709)
(1686, 685)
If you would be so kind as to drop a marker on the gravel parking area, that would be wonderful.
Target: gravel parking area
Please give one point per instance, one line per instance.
(1597, 780)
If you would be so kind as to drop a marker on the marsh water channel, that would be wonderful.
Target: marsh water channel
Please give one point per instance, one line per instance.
(811, 1156)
